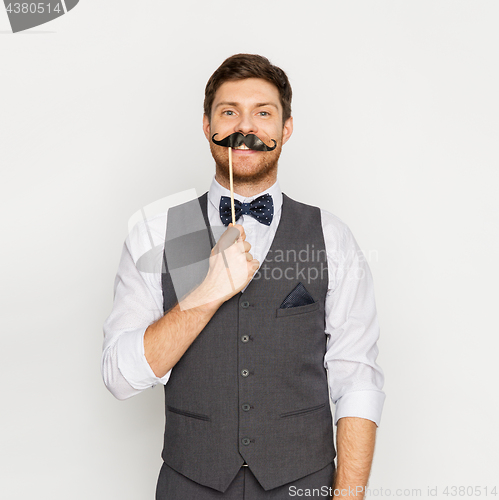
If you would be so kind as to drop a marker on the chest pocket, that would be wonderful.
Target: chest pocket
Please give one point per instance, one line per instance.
(293, 311)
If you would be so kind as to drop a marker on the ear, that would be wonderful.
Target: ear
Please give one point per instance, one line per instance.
(287, 129)
(206, 128)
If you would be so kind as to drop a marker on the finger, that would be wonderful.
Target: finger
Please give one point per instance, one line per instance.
(254, 265)
(249, 257)
(247, 246)
(241, 230)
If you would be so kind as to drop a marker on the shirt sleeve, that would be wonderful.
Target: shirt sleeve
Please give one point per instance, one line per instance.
(355, 379)
(137, 304)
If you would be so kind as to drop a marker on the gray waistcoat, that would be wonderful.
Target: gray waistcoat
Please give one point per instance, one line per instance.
(252, 386)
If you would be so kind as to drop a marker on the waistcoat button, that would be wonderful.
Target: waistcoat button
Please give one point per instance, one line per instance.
(246, 407)
(245, 441)
(245, 304)
(245, 372)
(245, 338)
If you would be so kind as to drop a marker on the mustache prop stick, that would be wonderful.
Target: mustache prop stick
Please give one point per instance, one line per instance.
(251, 141)
(233, 141)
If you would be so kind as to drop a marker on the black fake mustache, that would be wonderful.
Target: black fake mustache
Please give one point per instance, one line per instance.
(251, 141)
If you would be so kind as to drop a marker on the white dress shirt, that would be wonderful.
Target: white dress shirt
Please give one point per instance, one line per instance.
(355, 380)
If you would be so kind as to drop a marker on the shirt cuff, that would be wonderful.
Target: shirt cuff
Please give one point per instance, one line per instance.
(132, 361)
(362, 404)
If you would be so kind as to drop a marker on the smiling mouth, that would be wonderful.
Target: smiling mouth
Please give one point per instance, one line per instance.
(243, 146)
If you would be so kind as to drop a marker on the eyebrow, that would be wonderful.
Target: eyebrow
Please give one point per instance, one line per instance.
(235, 104)
(262, 104)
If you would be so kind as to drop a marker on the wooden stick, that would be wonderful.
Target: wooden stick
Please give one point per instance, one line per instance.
(231, 189)
(232, 212)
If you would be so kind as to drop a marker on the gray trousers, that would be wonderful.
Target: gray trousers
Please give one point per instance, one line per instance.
(175, 486)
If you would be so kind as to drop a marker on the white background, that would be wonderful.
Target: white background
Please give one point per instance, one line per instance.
(396, 131)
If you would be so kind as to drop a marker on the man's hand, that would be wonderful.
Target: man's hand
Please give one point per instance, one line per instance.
(231, 269)
(166, 340)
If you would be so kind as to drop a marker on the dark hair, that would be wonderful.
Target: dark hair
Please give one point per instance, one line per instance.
(242, 66)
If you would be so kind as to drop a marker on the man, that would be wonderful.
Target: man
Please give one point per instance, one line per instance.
(243, 356)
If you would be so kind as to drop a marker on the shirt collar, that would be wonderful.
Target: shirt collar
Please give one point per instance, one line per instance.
(217, 190)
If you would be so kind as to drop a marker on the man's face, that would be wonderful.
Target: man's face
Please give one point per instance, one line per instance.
(250, 106)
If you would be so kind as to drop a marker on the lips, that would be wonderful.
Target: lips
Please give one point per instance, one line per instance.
(243, 150)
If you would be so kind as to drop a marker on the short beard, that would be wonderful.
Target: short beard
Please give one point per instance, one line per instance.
(267, 168)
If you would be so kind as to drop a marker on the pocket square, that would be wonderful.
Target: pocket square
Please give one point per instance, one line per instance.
(299, 296)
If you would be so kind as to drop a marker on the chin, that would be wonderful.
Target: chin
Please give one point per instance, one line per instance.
(246, 169)
(242, 173)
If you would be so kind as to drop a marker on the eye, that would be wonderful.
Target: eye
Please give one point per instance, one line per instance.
(264, 113)
(228, 112)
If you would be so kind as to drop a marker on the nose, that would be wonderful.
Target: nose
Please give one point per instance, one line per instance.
(246, 125)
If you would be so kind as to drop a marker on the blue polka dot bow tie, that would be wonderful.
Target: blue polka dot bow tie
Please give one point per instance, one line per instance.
(261, 208)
